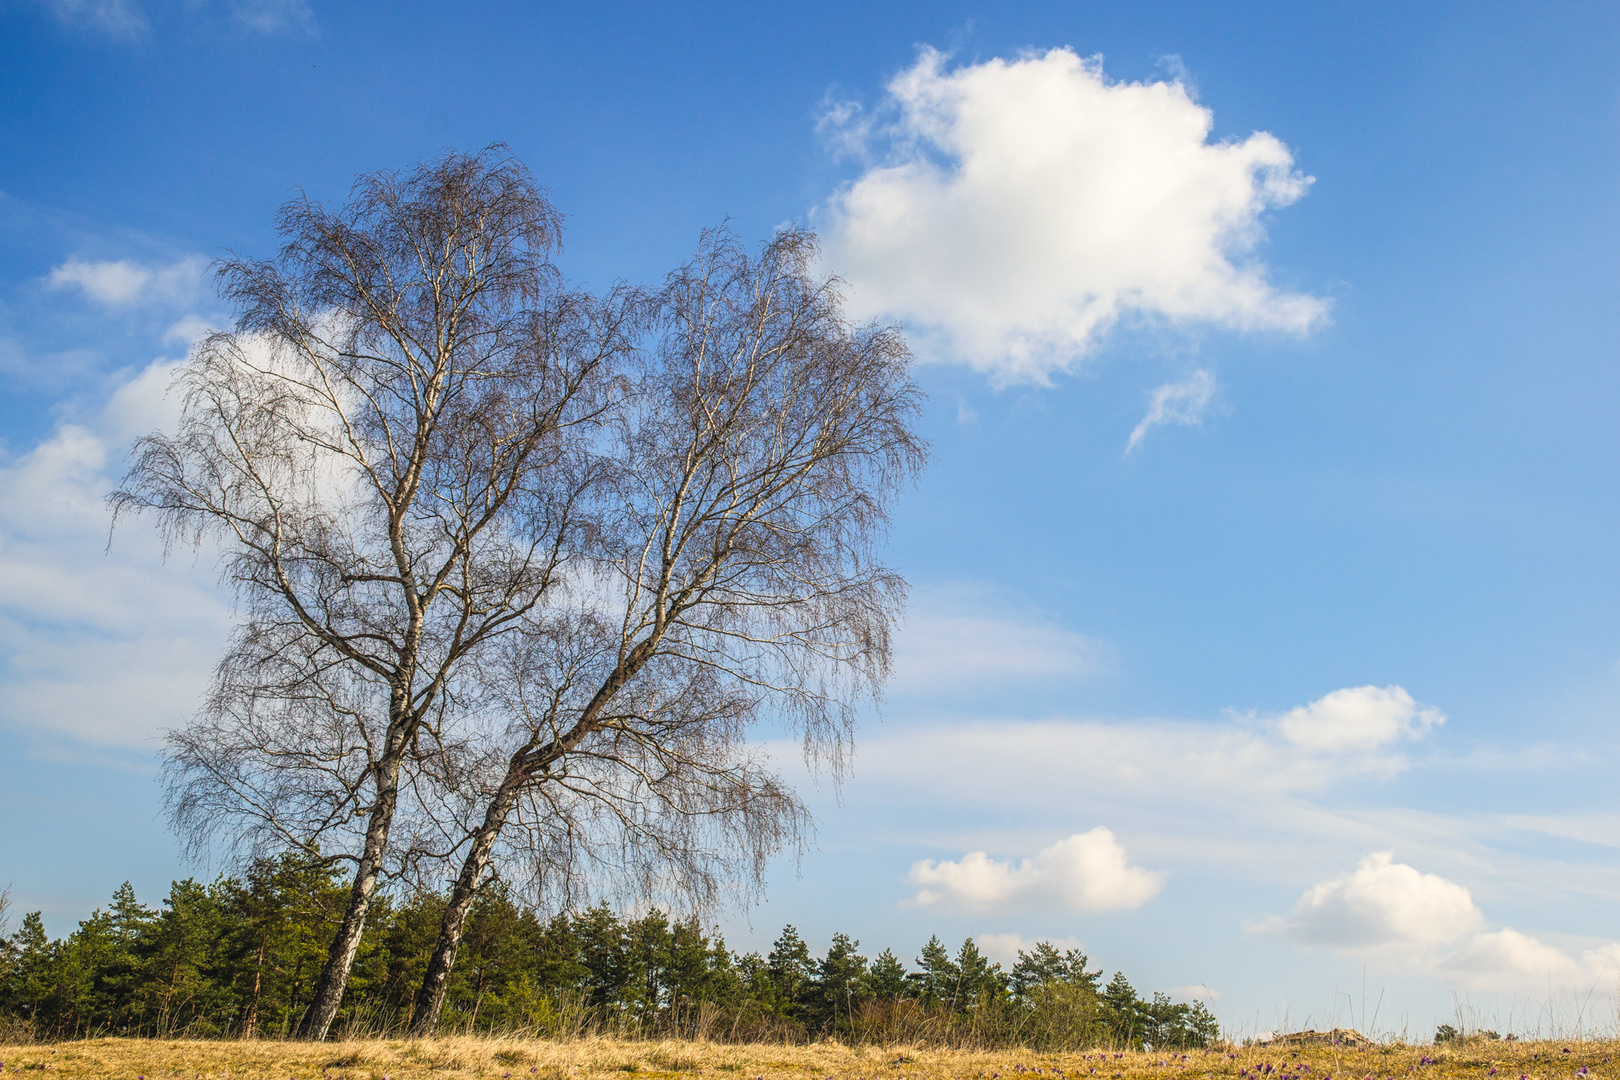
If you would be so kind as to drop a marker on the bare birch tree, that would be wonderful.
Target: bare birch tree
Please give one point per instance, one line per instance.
(387, 450)
(734, 580)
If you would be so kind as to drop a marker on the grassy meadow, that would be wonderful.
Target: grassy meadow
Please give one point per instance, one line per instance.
(454, 1058)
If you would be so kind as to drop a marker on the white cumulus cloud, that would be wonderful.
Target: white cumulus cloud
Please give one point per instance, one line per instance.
(1004, 948)
(1181, 402)
(121, 283)
(1385, 904)
(1358, 718)
(1404, 918)
(1086, 872)
(1195, 992)
(1022, 207)
(100, 644)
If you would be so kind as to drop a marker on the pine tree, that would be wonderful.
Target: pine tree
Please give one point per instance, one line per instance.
(689, 965)
(1126, 1015)
(887, 979)
(792, 971)
(840, 985)
(602, 952)
(937, 978)
(754, 975)
(1044, 965)
(499, 936)
(186, 961)
(239, 958)
(978, 980)
(559, 962)
(29, 980)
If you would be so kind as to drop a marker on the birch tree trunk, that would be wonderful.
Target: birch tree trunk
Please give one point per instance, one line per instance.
(436, 981)
(328, 994)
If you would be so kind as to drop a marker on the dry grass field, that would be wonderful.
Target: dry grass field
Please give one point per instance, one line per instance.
(615, 1059)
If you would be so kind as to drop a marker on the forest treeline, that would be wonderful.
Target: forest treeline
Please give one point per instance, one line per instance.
(239, 957)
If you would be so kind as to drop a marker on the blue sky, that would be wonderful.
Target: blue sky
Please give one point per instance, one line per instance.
(1265, 638)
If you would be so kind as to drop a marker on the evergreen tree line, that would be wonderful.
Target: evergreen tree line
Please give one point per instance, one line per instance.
(240, 958)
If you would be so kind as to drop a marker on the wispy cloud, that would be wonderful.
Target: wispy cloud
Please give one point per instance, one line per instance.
(115, 18)
(1359, 732)
(955, 639)
(1181, 402)
(1012, 211)
(274, 16)
(1243, 793)
(125, 19)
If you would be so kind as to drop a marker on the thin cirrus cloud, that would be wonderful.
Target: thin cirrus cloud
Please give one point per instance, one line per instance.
(1183, 402)
(114, 18)
(1401, 918)
(1011, 212)
(1357, 732)
(274, 16)
(1085, 872)
(955, 641)
(125, 19)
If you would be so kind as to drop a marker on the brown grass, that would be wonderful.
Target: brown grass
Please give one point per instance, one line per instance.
(619, 1059)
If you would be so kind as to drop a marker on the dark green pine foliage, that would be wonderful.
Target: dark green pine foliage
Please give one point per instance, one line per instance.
(754, 979)
(495, 953)
(793, 973)
(185, 961)
(240, 957)
(979, 982)
(1178, 1025)
(29, 975)
(1126, 1015)
(1044, 966)
(936, 980)
(841, 986)
(886, 981)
